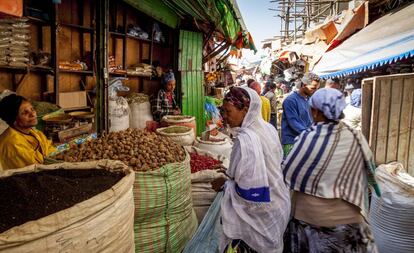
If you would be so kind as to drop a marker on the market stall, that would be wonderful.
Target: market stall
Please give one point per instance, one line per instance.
(91, 72)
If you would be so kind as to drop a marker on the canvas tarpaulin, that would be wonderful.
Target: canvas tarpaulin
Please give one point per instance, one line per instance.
(386, 40)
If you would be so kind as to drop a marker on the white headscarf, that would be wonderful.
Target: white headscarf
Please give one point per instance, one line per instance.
(329, 101)
(256, 201)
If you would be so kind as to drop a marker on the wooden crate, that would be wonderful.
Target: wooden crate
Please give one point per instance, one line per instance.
(388, 118)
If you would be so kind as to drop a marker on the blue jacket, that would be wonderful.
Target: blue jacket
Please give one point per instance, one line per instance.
(296, 117)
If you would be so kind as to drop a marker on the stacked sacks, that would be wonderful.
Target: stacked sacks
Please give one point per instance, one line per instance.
(5, 34)
(14, 42)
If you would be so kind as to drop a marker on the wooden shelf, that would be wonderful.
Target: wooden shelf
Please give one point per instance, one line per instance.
(77, 108)
(116, 74)
(42, 69)
(80, 27)
(139, 39)
(37, 20)
(80, 72)
(16, 70)
(25, 70)
(117, 34)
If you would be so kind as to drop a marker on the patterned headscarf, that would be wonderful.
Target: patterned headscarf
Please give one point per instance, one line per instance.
(168, 76)
(356, 98)
(329, 101)
(238, 97)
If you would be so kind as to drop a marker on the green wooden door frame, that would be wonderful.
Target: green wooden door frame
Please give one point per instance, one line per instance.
(192, 76)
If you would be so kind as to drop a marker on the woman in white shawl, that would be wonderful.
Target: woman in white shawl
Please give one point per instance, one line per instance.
(256, 204)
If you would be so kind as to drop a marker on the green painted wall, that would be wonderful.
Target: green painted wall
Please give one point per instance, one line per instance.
(190, 68)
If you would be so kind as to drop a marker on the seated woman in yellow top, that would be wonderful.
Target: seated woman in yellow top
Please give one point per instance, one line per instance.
(21, 145)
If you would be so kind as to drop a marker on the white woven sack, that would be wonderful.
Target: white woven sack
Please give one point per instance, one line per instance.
(103, 223)
(140, 114)
(392, 215)
(184, 139)
(118, 114)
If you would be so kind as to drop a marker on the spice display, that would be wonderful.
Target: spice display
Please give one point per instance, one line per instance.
(43, 108)
(137, 98)
(141, 150)
(31, 196)
(201, 162)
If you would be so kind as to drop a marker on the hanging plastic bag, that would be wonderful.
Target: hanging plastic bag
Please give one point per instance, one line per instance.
(118, 106)
(207, 236)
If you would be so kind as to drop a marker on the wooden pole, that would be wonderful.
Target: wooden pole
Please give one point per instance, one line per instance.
(101, 114)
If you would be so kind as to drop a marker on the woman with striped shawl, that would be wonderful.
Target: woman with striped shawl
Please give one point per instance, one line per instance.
(329, 170)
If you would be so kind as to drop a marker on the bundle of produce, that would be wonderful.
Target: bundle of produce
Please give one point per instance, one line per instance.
(201, 162)
(141, 150)
(89, 205)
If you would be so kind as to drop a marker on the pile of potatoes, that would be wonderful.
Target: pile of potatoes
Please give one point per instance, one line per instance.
(141, 150)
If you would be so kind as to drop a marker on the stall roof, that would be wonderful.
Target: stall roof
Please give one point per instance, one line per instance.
(223, 15)
(386, 40)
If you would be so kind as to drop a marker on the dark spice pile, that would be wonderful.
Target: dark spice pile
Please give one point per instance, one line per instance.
(32, 196)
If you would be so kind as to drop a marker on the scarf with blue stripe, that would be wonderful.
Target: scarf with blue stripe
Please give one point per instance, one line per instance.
(332, 160)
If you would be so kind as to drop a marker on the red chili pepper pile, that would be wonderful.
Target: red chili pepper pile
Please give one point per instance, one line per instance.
(201, 162)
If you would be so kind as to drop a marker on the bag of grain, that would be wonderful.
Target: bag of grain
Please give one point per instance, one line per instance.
(164, 217)
(181, 135)
(140, 110)
(101, 222)
(179, 120)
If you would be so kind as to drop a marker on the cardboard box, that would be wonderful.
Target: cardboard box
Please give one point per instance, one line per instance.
(69, 134)
(68, 100)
